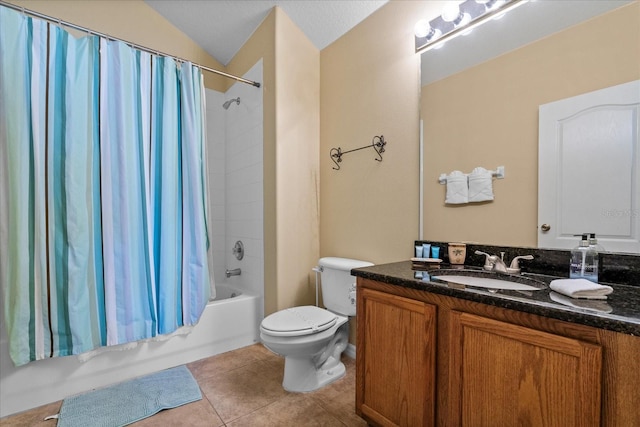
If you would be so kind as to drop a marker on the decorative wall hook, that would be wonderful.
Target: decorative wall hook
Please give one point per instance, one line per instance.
(377, 143)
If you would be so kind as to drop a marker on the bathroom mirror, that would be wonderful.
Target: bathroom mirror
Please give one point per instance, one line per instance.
(479, 106)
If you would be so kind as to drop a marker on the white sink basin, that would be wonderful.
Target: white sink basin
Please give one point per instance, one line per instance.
(485, 282)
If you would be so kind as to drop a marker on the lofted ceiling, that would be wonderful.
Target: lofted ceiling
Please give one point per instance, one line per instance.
(221, 27)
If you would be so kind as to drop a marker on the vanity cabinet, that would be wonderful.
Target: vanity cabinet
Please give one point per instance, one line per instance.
(504, 374)
(396, 354)
(426, 359)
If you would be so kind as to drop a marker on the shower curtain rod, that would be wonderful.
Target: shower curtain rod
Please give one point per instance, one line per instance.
(133, 45)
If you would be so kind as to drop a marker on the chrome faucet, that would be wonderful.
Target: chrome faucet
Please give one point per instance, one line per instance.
(495, 263)
(234, 272)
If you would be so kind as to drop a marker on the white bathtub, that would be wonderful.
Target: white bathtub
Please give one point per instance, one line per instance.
(226, 324)
(225, 292)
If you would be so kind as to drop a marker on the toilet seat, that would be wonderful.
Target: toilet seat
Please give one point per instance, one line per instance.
(298, 321)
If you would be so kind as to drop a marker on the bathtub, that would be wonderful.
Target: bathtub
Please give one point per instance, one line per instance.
(230, 321)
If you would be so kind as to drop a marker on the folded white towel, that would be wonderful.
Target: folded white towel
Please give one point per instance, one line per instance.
(580, 288)
(595, 305)
(480, 185)
(457, 188)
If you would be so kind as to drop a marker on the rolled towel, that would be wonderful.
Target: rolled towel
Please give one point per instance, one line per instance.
(480, 185)
(457, 188)
(595, 305)
(580, 288)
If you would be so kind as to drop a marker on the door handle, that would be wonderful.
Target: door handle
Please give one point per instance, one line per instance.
(545, 228)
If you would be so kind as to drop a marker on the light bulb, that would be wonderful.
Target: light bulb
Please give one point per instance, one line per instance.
(451, 12)
(422, 28)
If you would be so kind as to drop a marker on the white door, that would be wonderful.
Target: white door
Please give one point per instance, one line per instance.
(589, 169)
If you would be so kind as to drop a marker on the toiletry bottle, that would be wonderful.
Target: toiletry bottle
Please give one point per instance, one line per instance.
(593, 243)
(578, 258)
(592, 259)
(584, 261)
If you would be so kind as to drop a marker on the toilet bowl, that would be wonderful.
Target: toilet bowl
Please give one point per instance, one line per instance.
(312, 359)
(310, 338)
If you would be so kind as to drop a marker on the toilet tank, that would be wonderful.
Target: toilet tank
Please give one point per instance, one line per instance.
(338, 285)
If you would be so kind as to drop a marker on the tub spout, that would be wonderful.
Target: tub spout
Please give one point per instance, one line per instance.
(234, 272)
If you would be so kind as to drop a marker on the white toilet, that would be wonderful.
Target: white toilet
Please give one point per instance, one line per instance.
(310, 338)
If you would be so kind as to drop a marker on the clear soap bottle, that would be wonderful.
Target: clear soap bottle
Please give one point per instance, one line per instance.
(584, 261)
(593, 243)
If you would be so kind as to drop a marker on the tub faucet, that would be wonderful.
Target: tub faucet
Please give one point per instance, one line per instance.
(234, 272)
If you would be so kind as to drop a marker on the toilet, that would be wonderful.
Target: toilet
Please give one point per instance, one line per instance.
(310, 338)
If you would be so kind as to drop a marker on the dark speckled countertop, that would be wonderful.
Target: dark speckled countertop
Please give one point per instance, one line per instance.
(619, 313)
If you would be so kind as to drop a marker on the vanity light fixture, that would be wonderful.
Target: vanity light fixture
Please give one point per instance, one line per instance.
(457, 19)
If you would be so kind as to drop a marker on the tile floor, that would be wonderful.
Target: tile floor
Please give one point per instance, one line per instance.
(242, 388)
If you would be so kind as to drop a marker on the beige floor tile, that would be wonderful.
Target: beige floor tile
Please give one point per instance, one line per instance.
(241, 391)
(261, 352)
(33, 417)
(292, 410)
(228, 361)
(343, 407)
(195, 414)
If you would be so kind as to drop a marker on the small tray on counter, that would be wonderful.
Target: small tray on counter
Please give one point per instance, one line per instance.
(425, 263)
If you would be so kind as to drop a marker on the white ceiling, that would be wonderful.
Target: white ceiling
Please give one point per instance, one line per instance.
(221, 27)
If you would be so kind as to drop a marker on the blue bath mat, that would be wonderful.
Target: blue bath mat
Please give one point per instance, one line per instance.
(130, 401)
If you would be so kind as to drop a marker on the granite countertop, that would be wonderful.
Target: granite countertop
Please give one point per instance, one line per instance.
(620, 312)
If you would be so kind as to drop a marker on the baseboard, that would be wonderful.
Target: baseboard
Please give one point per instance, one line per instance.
(350, 351)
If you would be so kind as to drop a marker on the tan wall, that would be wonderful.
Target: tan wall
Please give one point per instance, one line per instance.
(133, 21)
(369, 86)
(291, 85)
(488, 116)
(297, 163)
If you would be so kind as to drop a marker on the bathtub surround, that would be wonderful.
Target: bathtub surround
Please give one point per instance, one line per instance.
(235, 156)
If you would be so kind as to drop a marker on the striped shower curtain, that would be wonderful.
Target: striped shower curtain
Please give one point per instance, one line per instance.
(102, 192)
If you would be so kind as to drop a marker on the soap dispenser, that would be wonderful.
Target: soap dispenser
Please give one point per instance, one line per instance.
(584, 261)
(593, 243)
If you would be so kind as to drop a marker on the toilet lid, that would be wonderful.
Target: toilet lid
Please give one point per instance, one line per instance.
(297, 321)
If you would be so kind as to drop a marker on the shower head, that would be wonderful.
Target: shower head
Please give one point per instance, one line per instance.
(231, 101)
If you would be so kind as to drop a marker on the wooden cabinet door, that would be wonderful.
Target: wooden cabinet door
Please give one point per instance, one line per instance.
(508, 375)
(396, 360)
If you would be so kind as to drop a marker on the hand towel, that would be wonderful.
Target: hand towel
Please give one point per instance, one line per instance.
(480, 185)
(457, 189)
(580, 288)
(595, 305)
